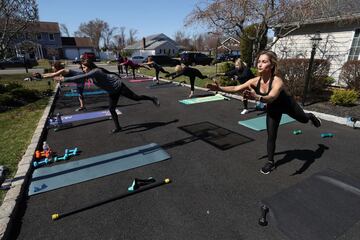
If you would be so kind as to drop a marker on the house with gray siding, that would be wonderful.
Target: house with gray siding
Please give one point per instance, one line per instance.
(340, 33)
(45, 39)
(158, 44)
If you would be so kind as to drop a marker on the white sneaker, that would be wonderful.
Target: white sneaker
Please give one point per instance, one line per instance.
(245, 111)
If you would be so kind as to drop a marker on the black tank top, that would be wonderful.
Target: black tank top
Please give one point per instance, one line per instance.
(282, 99)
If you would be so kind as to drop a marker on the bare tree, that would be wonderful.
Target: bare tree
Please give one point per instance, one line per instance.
(15, 17)
(64, 30)
(286, 16)
(132, 37)
(183, 40)
(94, 29)
(107, 36)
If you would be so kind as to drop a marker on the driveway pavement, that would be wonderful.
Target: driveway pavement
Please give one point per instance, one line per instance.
(214, 193)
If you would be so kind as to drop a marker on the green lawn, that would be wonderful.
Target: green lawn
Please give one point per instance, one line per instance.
(18, 125)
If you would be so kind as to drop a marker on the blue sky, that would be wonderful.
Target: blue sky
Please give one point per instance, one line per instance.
(147, 17)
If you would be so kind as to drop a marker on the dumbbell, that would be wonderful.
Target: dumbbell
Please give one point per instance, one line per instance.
(264, 210)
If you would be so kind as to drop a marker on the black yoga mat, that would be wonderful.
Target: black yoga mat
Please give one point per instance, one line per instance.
(217, 136)
(321, 207)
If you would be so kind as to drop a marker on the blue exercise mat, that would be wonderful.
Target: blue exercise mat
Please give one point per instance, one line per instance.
(75, 94)
(216, 97)
(62, 175)
(259, 123)
(81, 116)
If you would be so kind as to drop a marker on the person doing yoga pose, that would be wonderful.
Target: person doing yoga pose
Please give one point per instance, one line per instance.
(242, 74)
(269, 88)
(59, 70)
(158, 68)
(128, 63)
(190, 72)
(111, 83)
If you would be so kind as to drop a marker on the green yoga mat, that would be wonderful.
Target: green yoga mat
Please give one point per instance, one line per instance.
(259, 123)
(62, 175)
(216, 97)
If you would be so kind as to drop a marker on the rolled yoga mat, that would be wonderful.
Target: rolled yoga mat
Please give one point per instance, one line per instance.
(62, 175)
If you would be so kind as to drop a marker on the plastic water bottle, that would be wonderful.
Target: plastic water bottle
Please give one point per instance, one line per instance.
(45, 146)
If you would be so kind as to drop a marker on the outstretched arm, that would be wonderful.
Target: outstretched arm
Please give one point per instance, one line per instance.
(78, 78)
(54, 74)
(232, 89)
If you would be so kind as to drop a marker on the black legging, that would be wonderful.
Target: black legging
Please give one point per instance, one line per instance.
(120, 69)
(192, 80)
(158, 70)
(126, 92)
(273, 118)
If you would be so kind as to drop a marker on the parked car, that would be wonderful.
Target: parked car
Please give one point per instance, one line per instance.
(195, 58)
(17, 62)
(165, 60)
(227, 57)
(138, 59)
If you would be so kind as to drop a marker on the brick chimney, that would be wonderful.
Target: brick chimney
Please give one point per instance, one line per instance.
(143, 43)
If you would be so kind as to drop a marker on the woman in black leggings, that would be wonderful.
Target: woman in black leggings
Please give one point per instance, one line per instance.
(158, 68)
(110, 82)
(190, 72)
(269, 88)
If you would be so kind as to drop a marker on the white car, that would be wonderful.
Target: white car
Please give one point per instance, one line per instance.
(138, 59)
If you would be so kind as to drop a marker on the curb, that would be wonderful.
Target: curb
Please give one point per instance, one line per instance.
(17, 192)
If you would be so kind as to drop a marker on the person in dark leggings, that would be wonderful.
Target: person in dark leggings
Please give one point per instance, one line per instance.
(190, 72)
(128, 63)
(120, 60)
(242, 74)
(158, 68)
(59, 70)
(269, 88)
(110, 82)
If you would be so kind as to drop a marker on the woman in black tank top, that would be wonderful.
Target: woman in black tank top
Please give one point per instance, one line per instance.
(269, 88)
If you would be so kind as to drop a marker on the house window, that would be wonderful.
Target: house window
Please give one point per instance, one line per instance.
(160, 51)
(51, 36)
(355, 46)
(38, 36)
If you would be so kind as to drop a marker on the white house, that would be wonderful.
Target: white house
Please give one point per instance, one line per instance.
(340, 38)
(158, 44)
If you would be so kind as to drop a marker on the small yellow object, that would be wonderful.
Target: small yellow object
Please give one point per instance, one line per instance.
(55, 216)
(167, 180)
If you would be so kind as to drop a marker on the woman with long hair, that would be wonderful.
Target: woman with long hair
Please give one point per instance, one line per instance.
(242, 74)
(269, 88)
(110, 82)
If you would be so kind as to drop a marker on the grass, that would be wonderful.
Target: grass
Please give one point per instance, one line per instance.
(18, 125)
(41, 85)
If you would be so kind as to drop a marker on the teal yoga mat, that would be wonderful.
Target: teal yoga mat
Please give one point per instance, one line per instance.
(259, 123)
(75, 94)
(62, 175)
(216, 97)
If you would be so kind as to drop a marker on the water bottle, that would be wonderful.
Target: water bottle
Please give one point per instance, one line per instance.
(45, 146)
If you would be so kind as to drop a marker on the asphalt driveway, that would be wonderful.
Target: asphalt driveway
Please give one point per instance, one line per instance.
(214, 193)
